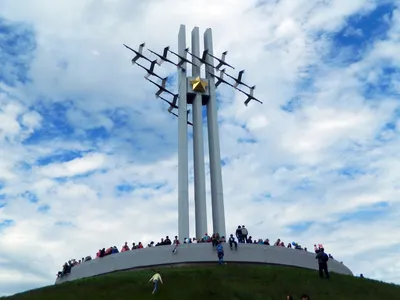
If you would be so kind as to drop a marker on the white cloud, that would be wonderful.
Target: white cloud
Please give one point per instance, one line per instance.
(31, 120)
(9, 125)
(74, 167)
(80, 63)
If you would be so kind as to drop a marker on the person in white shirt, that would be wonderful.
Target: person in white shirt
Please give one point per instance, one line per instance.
(156, 278)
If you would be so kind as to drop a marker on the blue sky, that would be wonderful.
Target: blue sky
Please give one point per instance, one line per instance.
(88, 153)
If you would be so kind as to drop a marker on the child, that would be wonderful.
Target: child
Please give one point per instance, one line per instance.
(232, 242)
(176, 243)
(220, 253)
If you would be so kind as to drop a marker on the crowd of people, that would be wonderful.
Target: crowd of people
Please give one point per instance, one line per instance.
(241, 236)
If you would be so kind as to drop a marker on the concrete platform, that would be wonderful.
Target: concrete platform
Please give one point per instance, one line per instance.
(199, 253)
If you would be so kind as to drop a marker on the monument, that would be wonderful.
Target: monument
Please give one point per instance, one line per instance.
(198, 92)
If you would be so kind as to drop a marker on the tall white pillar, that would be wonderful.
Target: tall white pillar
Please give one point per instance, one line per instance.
(183, 164)
(217, 195)
(198, 146)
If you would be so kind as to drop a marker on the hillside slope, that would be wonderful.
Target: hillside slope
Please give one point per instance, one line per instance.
(231, 282)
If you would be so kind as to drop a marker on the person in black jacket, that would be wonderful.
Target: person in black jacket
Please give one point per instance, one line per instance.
(232, 242)
(239, 235)
(167, 241)
(322, 263)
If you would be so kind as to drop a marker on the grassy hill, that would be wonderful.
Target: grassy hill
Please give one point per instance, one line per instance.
(230, 282)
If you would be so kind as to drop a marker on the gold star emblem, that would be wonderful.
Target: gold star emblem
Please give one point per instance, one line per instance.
(199, 85)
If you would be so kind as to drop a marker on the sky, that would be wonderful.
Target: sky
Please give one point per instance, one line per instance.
(88, 155)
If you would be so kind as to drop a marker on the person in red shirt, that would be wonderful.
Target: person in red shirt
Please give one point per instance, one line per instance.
(125, 247)
(176, 243)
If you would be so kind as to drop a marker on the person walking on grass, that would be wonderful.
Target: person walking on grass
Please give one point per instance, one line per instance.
(156, 278)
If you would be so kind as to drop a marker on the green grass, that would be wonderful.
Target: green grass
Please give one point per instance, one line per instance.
(227, 282)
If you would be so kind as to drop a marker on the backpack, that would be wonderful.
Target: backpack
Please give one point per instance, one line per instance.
(244, 231)
(325, 258)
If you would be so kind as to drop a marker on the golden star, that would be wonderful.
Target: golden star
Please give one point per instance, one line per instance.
(199, 85)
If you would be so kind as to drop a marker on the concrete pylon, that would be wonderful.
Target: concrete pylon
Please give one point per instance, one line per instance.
(198, 145)
(217, 194)
(183, 160)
